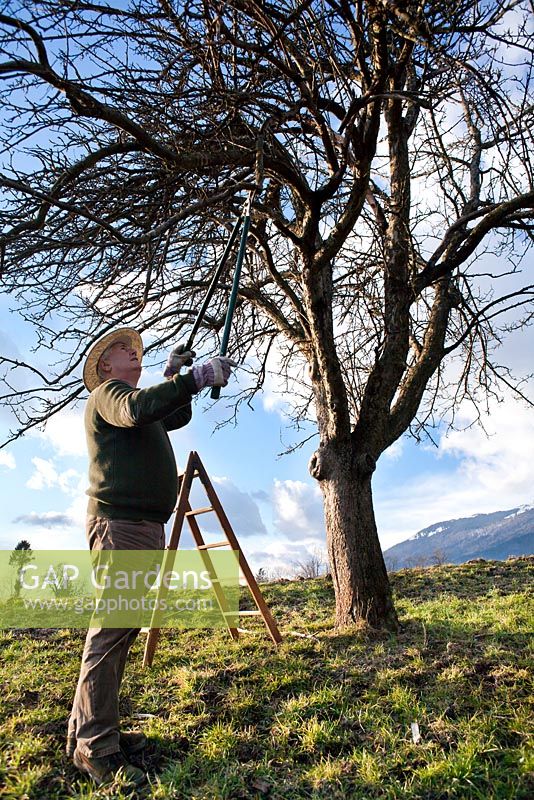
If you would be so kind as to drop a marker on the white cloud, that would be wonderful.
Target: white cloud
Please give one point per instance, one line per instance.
(298, 509)
(45, 476)
(7, 460)
(282, 559)
(499, 463)
(77, 511)
(494, 473)
(408, 507)
(45, 519)
(50, 530)
(395, 451)
(240, 508)
(65, 432)
(286, 387)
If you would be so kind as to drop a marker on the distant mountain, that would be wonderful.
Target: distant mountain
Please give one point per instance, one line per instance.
(491, 536)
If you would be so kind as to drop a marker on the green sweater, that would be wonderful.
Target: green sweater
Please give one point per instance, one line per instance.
(132, 471)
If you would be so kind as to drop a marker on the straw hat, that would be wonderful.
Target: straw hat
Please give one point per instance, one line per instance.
(91, 378)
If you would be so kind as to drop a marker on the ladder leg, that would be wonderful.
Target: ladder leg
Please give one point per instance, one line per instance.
(193, 469)
(245, 569)
(206, 560)
(150, 646)
(181, 508)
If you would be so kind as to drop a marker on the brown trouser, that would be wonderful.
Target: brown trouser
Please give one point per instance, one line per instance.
(94, 720)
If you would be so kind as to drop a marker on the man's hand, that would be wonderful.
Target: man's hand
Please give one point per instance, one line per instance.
(178, 358)
(214, 372)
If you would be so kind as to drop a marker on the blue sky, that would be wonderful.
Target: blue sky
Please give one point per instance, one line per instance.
(273, 504)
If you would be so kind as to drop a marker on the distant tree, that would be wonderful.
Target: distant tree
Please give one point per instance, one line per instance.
(412, 562)
(391, 146)
(62, 587)
(19, 558)
(262, 576)
(392, 563)
(278, 573)
(313, 565)
(438, 557)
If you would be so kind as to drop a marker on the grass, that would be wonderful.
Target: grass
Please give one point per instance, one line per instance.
(325, 715)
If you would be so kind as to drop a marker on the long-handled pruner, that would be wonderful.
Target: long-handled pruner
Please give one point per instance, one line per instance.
(213, 285)
(216, 391)
(244, 218)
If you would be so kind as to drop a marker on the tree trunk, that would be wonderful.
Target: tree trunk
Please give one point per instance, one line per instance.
(359, 575)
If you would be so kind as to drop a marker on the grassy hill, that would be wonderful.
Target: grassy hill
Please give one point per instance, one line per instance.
(326, 715)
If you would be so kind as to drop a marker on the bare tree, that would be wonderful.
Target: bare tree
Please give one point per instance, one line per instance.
(262, 575)
(19, 558)
(438, 557)
(314, 565)
(389, 144)
(392, 563)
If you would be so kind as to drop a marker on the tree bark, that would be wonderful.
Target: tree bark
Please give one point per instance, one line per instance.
(359, 575)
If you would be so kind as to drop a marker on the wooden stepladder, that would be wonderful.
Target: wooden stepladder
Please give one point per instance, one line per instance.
(195, 469)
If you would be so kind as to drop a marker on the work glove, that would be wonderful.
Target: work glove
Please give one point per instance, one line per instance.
(178, 358)
(214, 372)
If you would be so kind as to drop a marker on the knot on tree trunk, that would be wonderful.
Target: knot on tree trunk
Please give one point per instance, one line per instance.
(318, 464)
(365, 464)
(325, 462)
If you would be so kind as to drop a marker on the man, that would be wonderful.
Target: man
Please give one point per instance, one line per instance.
(132, 493)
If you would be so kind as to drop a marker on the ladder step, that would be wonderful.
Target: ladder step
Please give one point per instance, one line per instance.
(244, 613)
(215, 544)
(184, 505)
(196, 511)
(195, 474)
